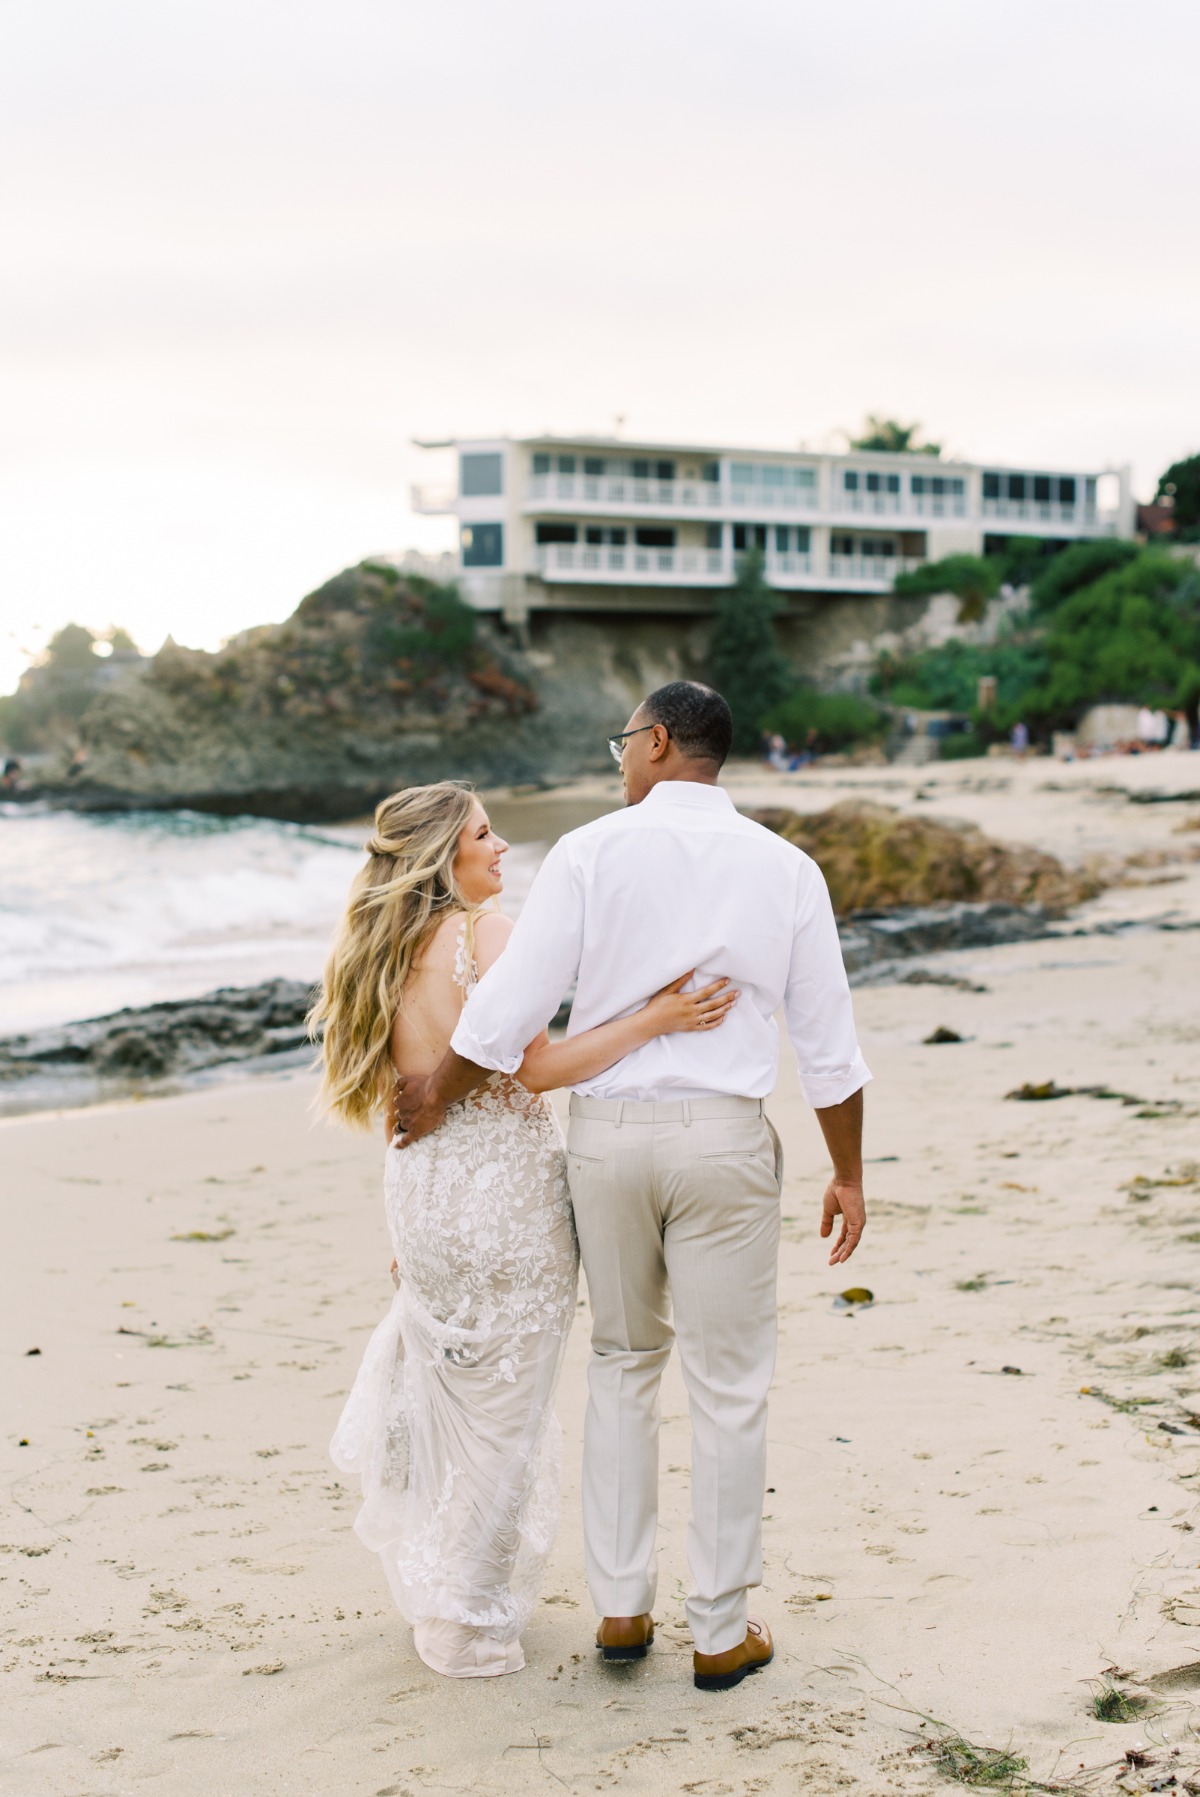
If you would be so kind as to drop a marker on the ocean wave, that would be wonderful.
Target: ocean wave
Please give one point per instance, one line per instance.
(101, 911)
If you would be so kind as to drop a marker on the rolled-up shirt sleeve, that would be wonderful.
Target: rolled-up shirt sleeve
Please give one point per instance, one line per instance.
(521, 991)
(816, 1003)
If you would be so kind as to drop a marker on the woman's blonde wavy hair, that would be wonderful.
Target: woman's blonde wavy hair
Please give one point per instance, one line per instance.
(396, 902)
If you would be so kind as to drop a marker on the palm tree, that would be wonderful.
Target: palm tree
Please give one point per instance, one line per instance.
(893, 437)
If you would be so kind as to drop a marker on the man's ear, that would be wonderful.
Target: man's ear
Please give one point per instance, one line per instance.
(660, 742)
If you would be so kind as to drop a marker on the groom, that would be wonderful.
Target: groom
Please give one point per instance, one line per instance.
(674, 1169)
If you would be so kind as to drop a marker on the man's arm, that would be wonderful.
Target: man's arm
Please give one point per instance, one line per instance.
(820, 1020)
(511, 1005)
(841, 1125)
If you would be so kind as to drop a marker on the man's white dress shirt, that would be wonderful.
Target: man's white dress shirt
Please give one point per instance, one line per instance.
(627, 904)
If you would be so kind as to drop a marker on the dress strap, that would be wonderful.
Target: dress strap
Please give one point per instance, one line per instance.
(466, 973)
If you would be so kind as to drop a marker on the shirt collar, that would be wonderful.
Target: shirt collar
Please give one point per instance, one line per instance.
(690, 793)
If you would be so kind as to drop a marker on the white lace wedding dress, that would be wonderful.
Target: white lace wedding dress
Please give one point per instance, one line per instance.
(450, 1423)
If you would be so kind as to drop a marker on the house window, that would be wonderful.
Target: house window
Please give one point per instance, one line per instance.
(541, 462)
(593, 466)
(664, 470)
(556, 533)
(712, 536)
(742, 474)
(840, 544)
(850, 480)
(805, 477)
(749, 536)
(1041, 488)
(878, 546)
(991, 486)
(566, 464)
(654, 536)
(482, 545)
(641, 471)
(1066, 490)
(782, 539)
(616, 537)
(479, 476)
(596, 534)
(711, 471)
(772, 474)
(1016, 486)
(803, 539)
(593, 535)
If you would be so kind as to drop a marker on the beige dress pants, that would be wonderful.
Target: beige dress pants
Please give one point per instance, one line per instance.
(681, 1196)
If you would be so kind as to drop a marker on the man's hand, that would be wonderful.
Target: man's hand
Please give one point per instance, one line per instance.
(414, 1109)
(844, 1199)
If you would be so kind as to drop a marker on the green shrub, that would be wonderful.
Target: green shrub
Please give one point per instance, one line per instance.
(839, 719)
(971, 578)
(1077, 567)
(964, 747)
(947, 679)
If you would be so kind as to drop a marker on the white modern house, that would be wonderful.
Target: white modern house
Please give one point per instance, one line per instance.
(599, 524)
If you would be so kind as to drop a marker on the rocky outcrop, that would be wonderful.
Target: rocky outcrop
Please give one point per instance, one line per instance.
(373, 684)
(876, 857)
(235, 1023)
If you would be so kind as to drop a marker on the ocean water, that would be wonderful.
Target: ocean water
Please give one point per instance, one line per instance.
(99, 912)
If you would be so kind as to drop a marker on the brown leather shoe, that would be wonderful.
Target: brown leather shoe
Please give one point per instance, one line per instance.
(625, 1637)
(718, 1671)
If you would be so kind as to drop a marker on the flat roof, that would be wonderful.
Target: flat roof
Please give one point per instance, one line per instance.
(887, 458)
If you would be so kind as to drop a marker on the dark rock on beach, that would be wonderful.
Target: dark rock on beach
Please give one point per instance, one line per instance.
(872, 941)
(160, 1042)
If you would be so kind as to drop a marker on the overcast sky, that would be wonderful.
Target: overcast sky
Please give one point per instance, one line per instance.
(250, 249)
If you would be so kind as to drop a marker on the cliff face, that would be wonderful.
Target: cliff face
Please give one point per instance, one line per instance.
(375, 682)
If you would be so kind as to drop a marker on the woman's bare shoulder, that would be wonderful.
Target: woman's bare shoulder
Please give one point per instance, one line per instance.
(492, 931)
(493, 927)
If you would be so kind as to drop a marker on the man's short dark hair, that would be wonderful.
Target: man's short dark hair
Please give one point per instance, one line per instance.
(696, 718)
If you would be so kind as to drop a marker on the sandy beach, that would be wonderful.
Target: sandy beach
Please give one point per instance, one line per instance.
(983, 1484)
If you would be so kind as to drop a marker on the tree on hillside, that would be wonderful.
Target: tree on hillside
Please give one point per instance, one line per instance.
(894, 438)
(1180, 486)
(1134, 634)
(53, 695)
(745, 661)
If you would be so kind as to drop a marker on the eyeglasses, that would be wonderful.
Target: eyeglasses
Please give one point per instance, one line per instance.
(616, 744)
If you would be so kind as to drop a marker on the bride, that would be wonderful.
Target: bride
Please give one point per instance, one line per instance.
(449, 1424)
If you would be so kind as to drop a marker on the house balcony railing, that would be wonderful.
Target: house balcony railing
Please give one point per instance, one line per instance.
(616, 565)
(908, 505)
(669, 495)
(601, 489)
(1033, 511)
(586, 561)
(438, 497)
(758, 498)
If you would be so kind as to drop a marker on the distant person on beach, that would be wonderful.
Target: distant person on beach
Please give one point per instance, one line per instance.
(450, 1422)
(11, 781)
(1019, 740)
(674, 1169)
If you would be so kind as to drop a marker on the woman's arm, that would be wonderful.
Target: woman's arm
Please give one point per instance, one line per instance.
(548, 1064)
